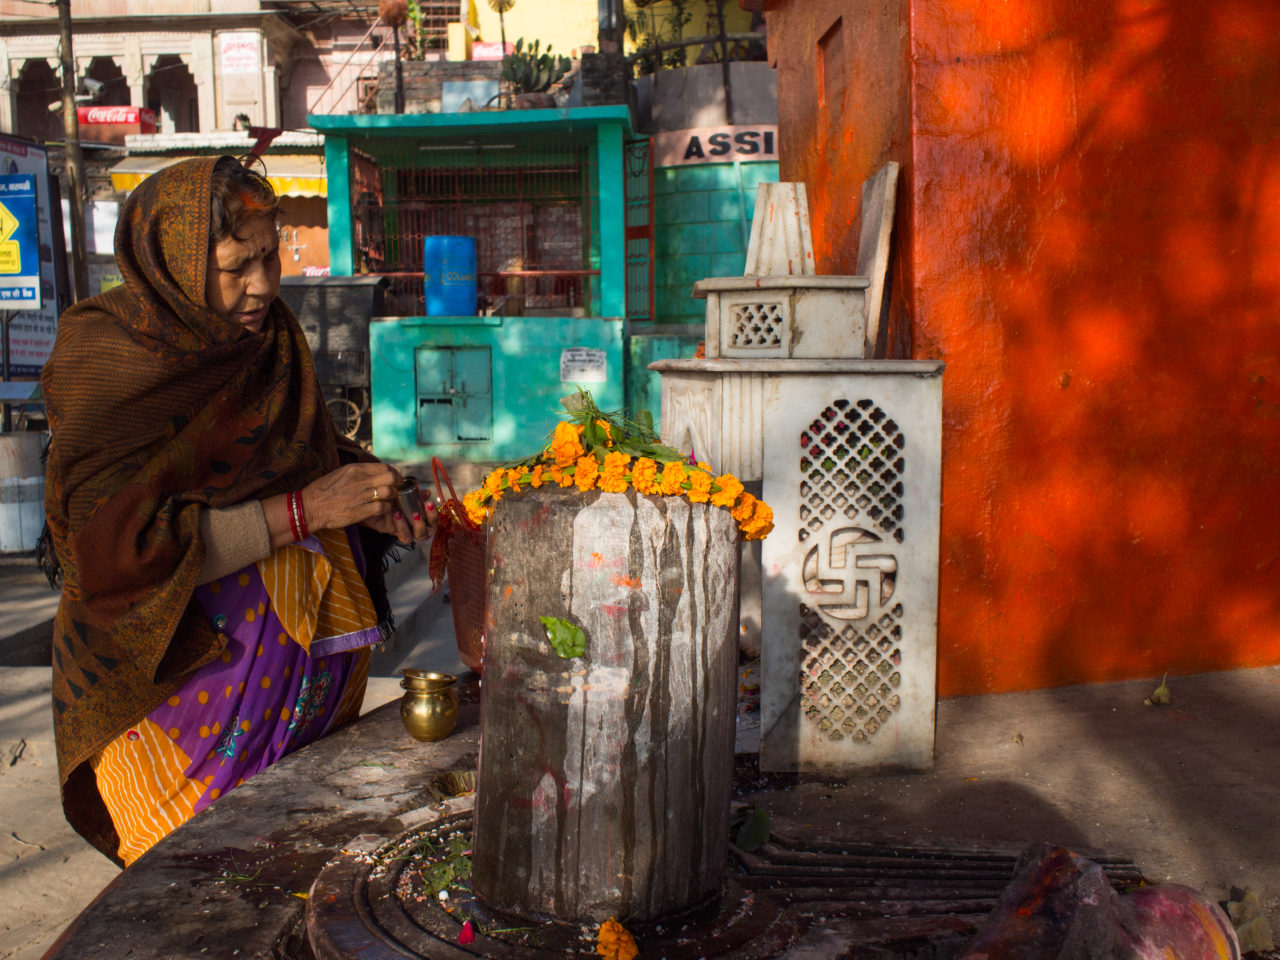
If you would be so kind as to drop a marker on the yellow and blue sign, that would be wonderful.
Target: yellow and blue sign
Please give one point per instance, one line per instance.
(19, 243)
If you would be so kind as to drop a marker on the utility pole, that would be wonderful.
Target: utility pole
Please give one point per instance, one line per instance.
(74, 161)
(724, 63)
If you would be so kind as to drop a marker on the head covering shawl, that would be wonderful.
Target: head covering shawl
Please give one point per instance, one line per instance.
(158, 407)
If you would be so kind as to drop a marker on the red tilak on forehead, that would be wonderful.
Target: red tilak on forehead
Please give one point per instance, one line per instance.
(252, 204)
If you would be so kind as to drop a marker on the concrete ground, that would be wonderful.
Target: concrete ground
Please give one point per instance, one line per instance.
(1187, 790)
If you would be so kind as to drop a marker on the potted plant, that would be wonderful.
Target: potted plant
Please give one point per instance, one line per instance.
(530, 72)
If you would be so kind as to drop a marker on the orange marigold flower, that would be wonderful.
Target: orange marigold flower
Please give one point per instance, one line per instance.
(513, 479)
(535, 477)
(761, 523)
(584, 475)
(614, 942)
(699, 486)
(613, 472)
(493, 484)
(673, 478)
(745, 509)
(562, 477)
(644, 475)
(473, 503)
(565, 445)
(730, 486)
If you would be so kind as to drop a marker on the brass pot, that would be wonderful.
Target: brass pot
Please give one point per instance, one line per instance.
(429, 707)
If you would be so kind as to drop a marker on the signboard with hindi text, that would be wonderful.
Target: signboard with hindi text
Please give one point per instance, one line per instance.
(19, 242)
(32, 313)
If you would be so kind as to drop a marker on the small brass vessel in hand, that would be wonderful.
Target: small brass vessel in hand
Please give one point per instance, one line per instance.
(429, 707)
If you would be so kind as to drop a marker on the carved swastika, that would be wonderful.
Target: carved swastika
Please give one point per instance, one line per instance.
(848, 583)
(851, 516)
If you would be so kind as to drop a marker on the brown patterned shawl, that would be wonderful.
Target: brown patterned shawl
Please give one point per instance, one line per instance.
(157, 407)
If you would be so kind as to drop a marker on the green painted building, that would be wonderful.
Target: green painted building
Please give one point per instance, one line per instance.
(585, 259)
(543, 193)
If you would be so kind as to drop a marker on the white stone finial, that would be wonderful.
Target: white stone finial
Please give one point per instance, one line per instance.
(780, 244)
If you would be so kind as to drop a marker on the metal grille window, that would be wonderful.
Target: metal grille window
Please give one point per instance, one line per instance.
(528, 204)
(436, 17)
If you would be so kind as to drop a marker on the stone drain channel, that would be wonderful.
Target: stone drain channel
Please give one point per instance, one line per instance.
(790, 898)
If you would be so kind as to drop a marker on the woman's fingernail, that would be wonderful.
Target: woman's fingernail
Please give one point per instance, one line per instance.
(431, 506)
(399, 515)
(417, 518)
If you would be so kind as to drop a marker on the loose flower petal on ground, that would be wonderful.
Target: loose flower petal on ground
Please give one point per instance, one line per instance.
(614, 942)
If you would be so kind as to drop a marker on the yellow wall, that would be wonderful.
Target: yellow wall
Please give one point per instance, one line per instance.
(565, 24)
(569, 24)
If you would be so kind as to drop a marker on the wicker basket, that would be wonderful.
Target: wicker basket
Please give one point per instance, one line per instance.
(462, 551)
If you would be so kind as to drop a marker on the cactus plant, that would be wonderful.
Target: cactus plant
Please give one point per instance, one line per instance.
(531, 71)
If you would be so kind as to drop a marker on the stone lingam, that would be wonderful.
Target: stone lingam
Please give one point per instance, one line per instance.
(605, 779)
(605, 774)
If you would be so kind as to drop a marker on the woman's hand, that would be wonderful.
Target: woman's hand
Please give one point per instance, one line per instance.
(418, 526)
(365, 493)
(356, 493)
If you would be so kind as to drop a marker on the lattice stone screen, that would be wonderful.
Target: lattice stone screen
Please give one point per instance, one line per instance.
(851, 468)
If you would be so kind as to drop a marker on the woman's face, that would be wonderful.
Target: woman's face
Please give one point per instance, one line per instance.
(244, 273)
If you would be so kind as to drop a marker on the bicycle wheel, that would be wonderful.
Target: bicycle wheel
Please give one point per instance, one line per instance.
(346, 416)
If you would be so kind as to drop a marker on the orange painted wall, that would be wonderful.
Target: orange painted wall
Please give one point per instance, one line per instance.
(1089, 236)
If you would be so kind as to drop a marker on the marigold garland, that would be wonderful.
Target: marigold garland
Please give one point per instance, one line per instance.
(596, 451)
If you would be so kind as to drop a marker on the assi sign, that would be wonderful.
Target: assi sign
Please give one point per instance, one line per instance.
(716, 145)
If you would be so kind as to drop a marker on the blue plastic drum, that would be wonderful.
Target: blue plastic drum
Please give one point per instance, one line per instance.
(449, 281)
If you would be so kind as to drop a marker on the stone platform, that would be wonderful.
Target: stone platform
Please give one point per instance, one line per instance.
(1186, 790)
(233, 881)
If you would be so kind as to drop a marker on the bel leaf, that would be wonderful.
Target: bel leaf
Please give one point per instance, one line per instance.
(754, 833)
(644, 420)
(566, 639)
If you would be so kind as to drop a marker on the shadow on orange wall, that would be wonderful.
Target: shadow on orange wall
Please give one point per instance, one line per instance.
(1090, 238)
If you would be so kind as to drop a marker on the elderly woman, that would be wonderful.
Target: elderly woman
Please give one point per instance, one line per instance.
(222, 548)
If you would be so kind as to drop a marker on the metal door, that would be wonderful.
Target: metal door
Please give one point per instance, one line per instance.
(455, 395)
(639, 226)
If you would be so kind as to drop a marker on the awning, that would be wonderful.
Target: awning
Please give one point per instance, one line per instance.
(290, 175)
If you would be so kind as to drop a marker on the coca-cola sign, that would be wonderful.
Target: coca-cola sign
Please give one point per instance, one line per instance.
(139, 115)
(113, 124)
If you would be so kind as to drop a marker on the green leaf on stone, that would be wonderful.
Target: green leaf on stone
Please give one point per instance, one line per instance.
(754, 832)
(438, 877)
(566, 639)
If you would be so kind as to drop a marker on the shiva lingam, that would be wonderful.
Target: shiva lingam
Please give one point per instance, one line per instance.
(605, 777)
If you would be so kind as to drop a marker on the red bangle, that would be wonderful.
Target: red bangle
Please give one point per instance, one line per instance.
(302, 516)
(297, 516)
(293, 516)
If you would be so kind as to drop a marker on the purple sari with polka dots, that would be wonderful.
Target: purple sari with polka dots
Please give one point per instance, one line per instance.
(266, 696)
